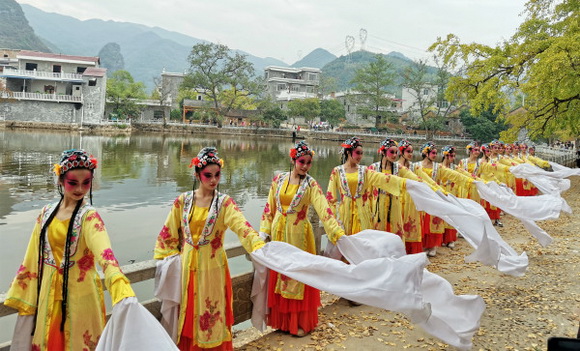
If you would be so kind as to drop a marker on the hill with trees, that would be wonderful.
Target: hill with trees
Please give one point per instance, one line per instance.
(15, 32)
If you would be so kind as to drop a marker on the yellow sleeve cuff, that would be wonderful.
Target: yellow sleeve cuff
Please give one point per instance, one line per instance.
(120, 289)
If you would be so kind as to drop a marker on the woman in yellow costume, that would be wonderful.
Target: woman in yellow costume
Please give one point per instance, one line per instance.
(535, 159)
(294, 305)
(351, 185)
(397, 214)
(448, 179)
(195, 229)
(57, 286)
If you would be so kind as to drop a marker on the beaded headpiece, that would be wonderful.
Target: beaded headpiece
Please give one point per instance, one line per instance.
(532, 146)
(404, 144)
(207, 155)
(485, 147)
(447, 149)
(428, 146)
(351, 143)
(72, 159)
(471, 145)
(387, 143)
(300, 149)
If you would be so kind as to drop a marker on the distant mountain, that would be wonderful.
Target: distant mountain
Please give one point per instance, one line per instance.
(316, 59)
(15, 32)
(343, 68)
(147, 51)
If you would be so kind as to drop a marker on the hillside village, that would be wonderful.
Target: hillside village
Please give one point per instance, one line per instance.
(71, 88)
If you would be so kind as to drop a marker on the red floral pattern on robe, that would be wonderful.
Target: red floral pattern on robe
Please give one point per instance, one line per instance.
(209, 318)
(85, 263)
(23, 275)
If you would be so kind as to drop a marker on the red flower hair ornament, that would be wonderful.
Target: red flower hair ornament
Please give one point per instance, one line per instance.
(207, 155)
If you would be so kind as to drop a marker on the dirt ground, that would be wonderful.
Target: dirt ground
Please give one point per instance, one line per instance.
(521, 313)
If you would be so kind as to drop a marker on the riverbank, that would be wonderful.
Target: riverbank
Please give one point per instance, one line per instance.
(521, 313)
(108, 128)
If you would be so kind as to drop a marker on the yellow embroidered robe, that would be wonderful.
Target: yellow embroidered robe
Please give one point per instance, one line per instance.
(404, 218)
(343, 203)
(85, 316)
(293, 226)
(205, 256)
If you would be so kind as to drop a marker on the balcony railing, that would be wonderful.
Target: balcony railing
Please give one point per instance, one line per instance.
(19, 73)
(41, 97)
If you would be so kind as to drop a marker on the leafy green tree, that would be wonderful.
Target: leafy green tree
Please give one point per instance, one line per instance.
(540, 61)
(215, 69)
(122, 92)
(332, 111)
(271, 113)
(307, 108)
(428, 91)
(484, 127)
(371, 82)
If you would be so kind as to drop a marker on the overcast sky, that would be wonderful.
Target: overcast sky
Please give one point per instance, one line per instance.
(290, 29)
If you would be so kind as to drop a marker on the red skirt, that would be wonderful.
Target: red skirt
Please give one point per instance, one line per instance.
(290, 314)
(492, 213)
(430, 239)
(413, 247)
(450, 235)
(187, 338)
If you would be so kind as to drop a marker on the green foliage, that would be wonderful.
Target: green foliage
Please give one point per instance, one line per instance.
(540, 61)
(175, 115)
(271, 113)
(307, 108)
(484, 127)
(371, 82)
(215, 69)
(332, 111)
(122, 91)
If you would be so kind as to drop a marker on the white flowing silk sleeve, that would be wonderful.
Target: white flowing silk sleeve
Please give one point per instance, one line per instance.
(385, 278)
(168, 291)
(471, 220)
(132, 327)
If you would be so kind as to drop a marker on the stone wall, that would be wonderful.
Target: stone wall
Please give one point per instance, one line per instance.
(40, 112)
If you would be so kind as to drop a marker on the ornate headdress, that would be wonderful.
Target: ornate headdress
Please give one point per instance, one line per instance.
(207, 155)
(351, 143)
(532, 146)
(471, 145)
(72, 159)
(428, 146)
(447, 149)
(387, 143)
(404, 144)
(300, 149)
(484, 147)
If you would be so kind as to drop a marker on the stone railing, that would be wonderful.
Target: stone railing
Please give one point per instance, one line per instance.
(10, 72)
(42, 97)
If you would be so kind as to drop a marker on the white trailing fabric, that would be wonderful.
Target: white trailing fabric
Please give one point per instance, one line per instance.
(132, 327)
(527, 209)
(380, 275)
(168, 291)
(471, 220)
(550, 183)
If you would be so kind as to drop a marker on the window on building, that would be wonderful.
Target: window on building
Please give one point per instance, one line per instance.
(56, 68)
(93, 82)
(199, 98)
(443, 104)
(312, 76)
(157, 114)
(425, 92)
(31, 66)
(281, 87)
(81, 70)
